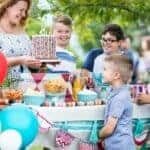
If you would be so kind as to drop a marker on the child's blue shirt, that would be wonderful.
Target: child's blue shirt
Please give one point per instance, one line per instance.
(119, 106)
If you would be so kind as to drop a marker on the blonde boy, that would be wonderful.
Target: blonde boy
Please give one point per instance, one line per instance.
(117, 130)
(61, 30)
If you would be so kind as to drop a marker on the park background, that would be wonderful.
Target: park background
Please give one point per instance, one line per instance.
(89, 18)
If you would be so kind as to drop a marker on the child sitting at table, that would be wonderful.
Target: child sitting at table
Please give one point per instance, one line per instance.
(117, 130)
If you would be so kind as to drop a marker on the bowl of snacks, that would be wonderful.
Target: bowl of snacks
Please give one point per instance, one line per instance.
(55, 89)
(32, 97)
(13, 95)
(86, 96)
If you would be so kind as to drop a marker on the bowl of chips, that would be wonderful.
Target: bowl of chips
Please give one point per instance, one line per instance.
(57, 85)
(55, 89)
(13, 94)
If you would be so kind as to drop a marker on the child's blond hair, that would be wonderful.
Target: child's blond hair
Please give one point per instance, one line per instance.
(122, 64)
(64, 19)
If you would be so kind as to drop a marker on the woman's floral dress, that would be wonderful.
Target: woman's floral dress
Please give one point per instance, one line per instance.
(12, 46)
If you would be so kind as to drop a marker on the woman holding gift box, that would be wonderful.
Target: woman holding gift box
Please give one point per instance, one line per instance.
(14, 42)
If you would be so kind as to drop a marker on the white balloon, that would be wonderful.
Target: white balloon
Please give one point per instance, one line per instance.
(10, 140)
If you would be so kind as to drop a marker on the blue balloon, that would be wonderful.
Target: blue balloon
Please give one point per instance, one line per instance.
(22, 119)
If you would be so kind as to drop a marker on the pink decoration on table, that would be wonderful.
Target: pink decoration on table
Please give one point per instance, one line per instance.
(89, 83)
(63, 138)
(140, 140)
(88, 146)
(139, 88)
(37, 77)
(67, 78)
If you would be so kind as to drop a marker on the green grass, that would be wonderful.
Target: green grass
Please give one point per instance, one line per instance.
(36, 147)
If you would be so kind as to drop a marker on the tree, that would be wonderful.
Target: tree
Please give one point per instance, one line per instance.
(90, 17)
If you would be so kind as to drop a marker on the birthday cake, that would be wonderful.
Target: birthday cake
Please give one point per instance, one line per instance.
(43, 47)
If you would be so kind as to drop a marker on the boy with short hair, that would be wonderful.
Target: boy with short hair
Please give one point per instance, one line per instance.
(117, 130)
(61, 30)
(112, 38)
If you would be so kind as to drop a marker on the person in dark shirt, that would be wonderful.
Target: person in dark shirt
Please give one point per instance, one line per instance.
(88, 64)
(89, 61)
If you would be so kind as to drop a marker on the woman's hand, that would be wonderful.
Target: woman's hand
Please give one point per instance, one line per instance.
(30, 62)
(24, 60)
(143, 98)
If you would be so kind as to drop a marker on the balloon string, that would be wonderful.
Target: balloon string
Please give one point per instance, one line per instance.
(38, 114)
(42, 117)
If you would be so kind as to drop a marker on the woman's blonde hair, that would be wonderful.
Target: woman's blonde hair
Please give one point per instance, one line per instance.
(4, 4)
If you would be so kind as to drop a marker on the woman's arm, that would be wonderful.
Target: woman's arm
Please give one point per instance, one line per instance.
(23, 60)
(13, 61)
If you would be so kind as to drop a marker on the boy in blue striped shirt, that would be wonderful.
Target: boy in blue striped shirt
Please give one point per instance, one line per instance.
(62, 29)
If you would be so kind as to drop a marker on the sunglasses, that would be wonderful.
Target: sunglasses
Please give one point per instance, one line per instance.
(108, 40)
